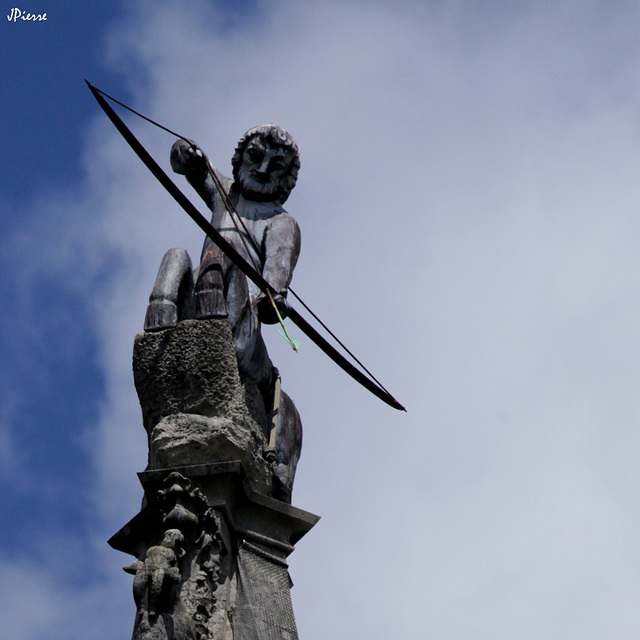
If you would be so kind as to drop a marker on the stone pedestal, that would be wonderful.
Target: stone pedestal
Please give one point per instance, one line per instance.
(232, 580)
(210, 542)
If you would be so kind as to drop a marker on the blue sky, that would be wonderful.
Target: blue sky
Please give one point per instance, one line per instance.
(469, 202)
(50, 380)
(51, 377)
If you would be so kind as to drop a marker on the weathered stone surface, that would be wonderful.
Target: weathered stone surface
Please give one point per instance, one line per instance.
(184, 569)
(187, 439)
(190, 368)
(194, 405)
(211, 556)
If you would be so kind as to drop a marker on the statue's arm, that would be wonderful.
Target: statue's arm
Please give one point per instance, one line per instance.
(281, 246)
(189, 160)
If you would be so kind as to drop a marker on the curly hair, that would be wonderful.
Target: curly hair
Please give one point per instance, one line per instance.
(276, 137)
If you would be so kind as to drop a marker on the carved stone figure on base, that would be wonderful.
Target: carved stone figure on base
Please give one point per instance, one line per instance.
(176, 582)
(157, 574)
(211, 557)
(265, 168)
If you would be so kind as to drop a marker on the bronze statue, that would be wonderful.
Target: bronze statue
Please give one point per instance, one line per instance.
(265, 169)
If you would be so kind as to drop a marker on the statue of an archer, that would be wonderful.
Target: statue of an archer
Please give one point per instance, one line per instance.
(248, 213)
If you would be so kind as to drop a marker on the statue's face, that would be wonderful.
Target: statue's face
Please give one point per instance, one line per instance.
(263, 170)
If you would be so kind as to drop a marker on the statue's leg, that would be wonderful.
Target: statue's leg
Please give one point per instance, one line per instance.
(210, 288)
(140, 586)
(253, 359)
(156, 584)
(171, 299)
(222, 290)
(288, 445)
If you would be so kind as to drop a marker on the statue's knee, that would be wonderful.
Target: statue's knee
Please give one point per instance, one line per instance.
(171, 299)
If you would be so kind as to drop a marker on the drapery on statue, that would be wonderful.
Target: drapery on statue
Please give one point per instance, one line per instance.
(265, 169)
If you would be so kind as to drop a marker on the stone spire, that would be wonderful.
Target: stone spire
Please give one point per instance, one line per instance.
(212, 538)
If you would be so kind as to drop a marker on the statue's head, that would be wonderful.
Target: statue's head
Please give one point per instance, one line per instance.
(172, 538)
(266, 164)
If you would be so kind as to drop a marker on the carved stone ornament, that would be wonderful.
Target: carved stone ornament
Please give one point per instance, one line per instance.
(176, 578)
(213, 534)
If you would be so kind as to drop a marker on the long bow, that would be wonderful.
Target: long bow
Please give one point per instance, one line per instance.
(369, 382)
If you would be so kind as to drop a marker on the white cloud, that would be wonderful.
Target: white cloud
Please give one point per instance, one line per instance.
(30, 606)
(65, 590)
(468, 199)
